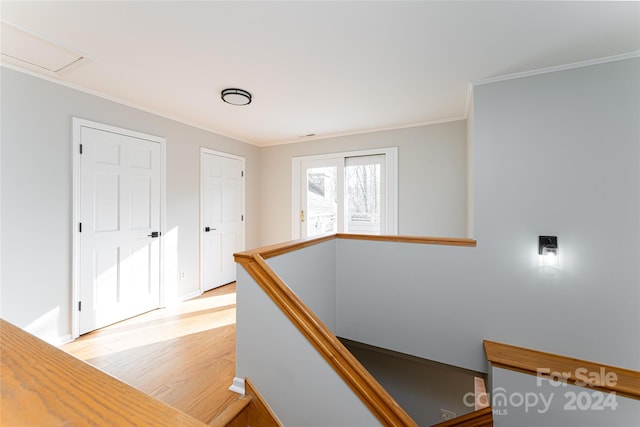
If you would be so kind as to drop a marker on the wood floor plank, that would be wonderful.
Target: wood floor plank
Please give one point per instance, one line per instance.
(183, 356)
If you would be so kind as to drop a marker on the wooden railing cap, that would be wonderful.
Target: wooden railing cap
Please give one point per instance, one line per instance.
(607, 378)
(294, 245)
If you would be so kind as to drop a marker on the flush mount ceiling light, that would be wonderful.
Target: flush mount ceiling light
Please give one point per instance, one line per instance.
(235, 96)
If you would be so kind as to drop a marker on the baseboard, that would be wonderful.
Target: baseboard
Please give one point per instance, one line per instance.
(237, 386)
(190, 295)
(58, 341)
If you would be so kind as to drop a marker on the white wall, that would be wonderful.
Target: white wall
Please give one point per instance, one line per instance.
(311, 274)
(302, 389)
(36, 196)
(555, 154)
(432, 178)
(559, 154)
(422, 300)
(528, 401)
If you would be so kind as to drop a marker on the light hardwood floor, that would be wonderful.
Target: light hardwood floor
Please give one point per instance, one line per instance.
(182, 355)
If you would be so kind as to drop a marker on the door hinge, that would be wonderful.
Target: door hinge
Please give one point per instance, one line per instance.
(80, 227)
(242, 174)
(79, 305)
(241, 217)
(301, 216)
(80, 148)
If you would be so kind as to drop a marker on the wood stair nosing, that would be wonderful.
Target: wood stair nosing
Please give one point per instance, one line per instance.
(234, 415)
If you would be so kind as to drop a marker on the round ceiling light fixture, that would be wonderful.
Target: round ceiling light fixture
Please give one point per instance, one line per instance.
(236, 96)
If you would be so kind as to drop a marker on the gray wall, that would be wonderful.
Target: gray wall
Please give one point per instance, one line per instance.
(36, 190)
(417, 299)
(555, 154)
(302, 389)
(431, 183)
(529, 401)
(311, 274)
(559, 154)
(37, 203)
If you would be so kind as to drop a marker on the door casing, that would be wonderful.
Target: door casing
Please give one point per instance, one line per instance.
(391, 162)
(77, 124)
(203, 152)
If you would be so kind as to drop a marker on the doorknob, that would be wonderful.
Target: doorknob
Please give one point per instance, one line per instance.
(154, 234)
(208, 229)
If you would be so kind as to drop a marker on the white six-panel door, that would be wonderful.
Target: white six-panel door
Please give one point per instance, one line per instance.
(222, 232)
(119, 215)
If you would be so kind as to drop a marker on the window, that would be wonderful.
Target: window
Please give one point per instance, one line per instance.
(364, 192)
(352, 192)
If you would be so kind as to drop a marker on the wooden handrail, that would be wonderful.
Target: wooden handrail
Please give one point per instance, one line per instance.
(42, 385)
(281, 248)
(370, 392)
(610, 379)
(382, 405)
(424, 240)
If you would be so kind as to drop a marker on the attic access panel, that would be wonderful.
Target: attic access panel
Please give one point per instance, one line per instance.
(23, 48)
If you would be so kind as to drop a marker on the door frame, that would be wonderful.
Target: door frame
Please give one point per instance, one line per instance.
(207, 151)
(77, 125)
(319, 162)
(391, 165)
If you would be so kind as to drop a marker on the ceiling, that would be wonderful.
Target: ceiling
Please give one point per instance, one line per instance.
(323, 68)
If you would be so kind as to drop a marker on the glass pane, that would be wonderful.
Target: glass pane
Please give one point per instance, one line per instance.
(362, 182)
(322, 204)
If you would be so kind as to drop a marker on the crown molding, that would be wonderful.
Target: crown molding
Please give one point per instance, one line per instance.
(364, 132)
(581, 64)
(53, 79)
(468, 100)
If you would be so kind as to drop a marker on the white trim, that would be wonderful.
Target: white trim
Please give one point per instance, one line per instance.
(58, 341)
(364, 132)
(564, 67)
(209, 151)
(391, 161)
(237, 386)
(468, 101)
(77, 124)
(190, 295)
(469, 97)
(121, 101)
(613, 58)
(218, 132)
(163, 217)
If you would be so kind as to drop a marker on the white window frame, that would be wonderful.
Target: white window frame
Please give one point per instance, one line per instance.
(391, 182)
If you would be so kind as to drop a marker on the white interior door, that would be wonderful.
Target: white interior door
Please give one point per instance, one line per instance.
(119, 213)
(222, 217)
